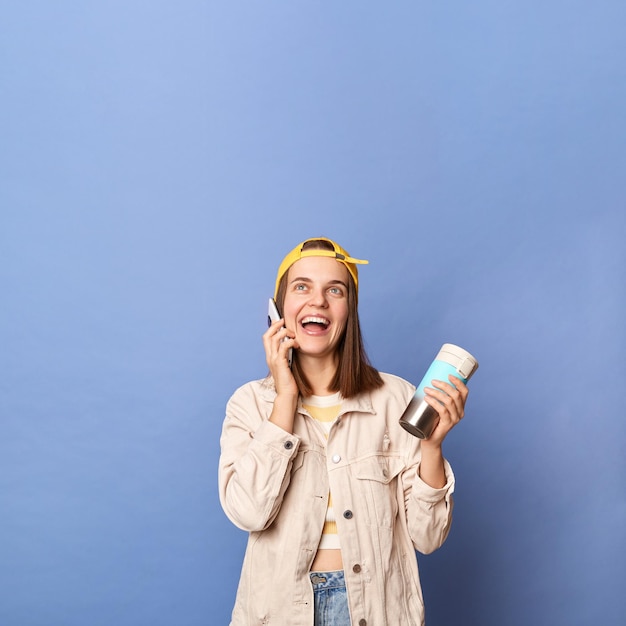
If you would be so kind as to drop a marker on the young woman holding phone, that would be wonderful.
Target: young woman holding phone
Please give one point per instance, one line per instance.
(336, 496)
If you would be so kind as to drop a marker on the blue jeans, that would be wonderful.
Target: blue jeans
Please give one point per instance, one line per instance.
(330, 599)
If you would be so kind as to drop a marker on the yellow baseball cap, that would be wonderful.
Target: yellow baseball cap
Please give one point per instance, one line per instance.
(337, 253)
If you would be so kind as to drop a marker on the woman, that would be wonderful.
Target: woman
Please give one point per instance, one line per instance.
(335, 494)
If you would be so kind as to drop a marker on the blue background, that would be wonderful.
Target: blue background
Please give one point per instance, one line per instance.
(158, 159)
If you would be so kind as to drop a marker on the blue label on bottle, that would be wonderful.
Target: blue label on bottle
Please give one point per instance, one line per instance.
(438, 370)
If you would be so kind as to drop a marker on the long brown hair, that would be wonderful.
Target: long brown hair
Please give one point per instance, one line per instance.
(354, 374)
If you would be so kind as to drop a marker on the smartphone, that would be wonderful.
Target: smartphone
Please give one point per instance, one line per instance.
(272, 316)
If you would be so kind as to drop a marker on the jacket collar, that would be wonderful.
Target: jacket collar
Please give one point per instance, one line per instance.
(359, 404)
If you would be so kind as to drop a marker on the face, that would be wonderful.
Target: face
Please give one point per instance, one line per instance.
(316, 304)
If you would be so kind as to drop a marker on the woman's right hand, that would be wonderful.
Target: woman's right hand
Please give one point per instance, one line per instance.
(277, 341)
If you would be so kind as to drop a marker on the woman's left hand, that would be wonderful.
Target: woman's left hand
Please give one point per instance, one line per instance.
(448, 399)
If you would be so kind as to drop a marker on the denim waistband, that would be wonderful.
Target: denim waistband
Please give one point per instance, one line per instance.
(327, 580)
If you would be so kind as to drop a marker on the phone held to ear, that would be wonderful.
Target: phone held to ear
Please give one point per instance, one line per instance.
(272, 316)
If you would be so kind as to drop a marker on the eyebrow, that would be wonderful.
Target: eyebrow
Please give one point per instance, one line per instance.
(304, 279)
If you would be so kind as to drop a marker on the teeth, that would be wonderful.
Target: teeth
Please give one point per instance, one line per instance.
(315, 320)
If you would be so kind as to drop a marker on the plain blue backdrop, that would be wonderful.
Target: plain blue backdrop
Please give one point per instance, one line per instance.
(158, 159)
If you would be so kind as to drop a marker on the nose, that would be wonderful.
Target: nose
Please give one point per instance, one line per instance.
(318, 298)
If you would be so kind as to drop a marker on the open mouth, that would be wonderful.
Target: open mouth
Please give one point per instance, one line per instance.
(313, 322)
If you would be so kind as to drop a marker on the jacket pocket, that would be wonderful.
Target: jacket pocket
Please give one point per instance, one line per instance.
(376, 480)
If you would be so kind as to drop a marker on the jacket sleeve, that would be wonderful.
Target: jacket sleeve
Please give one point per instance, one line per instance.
(428, 510)
(255, 463)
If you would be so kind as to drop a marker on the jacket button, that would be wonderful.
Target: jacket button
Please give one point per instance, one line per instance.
(362, 622)
(347, 514)
(288, 445)
(336, 458)
(356, 569)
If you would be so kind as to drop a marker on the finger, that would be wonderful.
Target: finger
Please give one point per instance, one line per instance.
(275, 333)
(460, 397)
(457, 390)
(275, 327)
(271, 340)
(457, 399)
(439, 400)
(277, 341)
(448, 402)
(459, 385)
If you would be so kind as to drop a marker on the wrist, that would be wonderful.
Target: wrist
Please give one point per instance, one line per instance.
(286, 398)
(284, 410)
(431, 447)
(432, 468)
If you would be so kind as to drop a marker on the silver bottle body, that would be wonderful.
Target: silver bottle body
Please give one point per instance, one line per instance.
(419, 418)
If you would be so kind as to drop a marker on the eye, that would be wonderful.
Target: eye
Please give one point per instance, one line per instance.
(337, 291)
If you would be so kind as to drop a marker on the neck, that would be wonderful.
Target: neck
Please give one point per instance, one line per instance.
(320, 372)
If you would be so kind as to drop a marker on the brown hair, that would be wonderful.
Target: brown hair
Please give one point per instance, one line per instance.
(354, 374)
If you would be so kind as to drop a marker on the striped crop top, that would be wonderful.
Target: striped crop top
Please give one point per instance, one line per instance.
(324, 410)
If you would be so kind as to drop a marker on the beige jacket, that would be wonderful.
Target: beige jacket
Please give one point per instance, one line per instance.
(275, 486)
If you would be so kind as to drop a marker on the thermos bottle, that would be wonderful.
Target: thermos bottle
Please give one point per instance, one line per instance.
(419, 418)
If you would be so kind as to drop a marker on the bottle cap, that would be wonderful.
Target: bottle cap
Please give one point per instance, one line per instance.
(462, 360)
